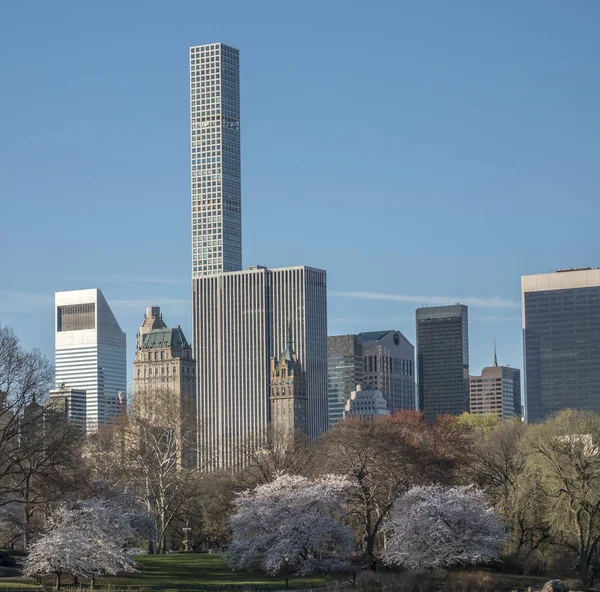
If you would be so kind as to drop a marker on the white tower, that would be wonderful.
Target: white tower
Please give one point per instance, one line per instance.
(90, 352)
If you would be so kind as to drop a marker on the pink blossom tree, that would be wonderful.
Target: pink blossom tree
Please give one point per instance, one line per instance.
(432, 527)
(90, 539)
(291, 526)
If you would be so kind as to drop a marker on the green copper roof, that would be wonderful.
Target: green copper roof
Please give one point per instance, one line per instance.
(165, 338)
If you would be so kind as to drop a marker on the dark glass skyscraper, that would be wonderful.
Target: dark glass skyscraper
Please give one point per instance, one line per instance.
(561, 342)
(443, 360)
(344, 372)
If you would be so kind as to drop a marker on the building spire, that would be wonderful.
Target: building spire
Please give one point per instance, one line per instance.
(495, 356)
(289, 335)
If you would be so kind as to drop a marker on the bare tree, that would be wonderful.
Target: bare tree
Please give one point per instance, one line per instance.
(38, 451)
(279, 454)
(156, 447)
(565, 452)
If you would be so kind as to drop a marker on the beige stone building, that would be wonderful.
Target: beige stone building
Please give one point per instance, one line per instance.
(288, 393)
(496, 391)
(164, 380)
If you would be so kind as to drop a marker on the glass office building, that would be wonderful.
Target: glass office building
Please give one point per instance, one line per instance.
(561, 342)
(215, 159)
(443, 360)
(344, 372)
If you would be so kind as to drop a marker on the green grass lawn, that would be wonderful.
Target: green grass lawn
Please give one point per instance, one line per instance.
(201, 569)
(186, 571)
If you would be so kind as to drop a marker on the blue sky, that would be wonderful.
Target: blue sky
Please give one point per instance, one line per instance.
(421, 152)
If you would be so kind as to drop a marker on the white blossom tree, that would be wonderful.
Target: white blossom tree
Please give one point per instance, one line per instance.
(434, 527)
(90, 539)
(291, 526)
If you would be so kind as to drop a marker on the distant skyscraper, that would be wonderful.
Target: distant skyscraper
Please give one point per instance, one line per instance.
(90, 352)
(240, 321)
(561, 341)
(215, 159)
(381, 360)
(497, 391)
(388, 364)
(344, 372)
(443, 360)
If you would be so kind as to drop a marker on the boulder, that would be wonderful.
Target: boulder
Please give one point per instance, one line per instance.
(555, 586)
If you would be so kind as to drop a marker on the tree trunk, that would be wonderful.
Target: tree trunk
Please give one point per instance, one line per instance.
(370, 547)
(57, 580)
(286, 582)
(584, 566)
(26, 515)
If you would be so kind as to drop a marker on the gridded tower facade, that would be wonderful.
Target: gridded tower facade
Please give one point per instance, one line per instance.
(443, 360)
(240, 320)
(561, 342)
(215, 159)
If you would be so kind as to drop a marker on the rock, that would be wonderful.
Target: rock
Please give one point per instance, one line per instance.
(554, 586)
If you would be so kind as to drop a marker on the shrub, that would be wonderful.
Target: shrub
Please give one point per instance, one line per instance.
(472, 581)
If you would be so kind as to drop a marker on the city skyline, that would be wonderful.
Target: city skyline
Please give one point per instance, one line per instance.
(141, 172)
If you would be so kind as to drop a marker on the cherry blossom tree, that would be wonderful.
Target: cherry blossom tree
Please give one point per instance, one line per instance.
(291, 526)
(90, 539)
(434, 527)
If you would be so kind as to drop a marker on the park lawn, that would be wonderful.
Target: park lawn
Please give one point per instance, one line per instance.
(195, 570)
(13, 583)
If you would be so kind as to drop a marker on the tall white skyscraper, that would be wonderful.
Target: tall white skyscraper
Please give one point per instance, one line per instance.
(90, 352)
(241, 319)
(215, 159)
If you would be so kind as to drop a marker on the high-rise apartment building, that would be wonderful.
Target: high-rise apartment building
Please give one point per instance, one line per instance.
(240, 320)
(90, 353)
(215, 159)
(443, 360)
(164, 380)
(344, 372)
(561, 341)
(496, 391)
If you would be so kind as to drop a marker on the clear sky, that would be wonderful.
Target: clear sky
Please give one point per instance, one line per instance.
(421, 152)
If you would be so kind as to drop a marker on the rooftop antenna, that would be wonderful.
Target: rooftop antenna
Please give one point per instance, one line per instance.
(495, 356)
